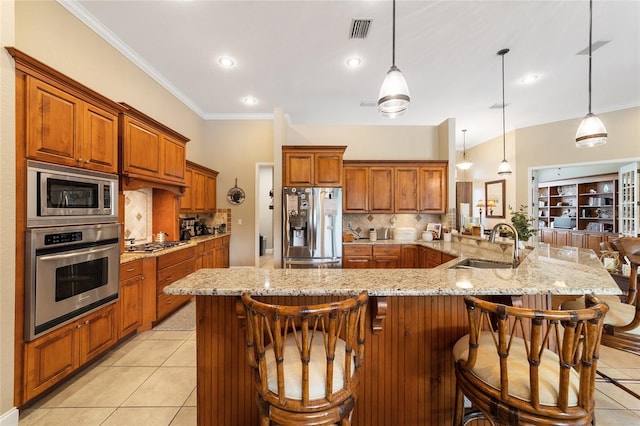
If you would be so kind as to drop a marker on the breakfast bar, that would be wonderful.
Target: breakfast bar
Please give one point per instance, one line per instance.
(416, 316)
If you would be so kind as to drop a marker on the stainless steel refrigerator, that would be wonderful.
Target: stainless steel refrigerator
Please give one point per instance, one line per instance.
(312, 227)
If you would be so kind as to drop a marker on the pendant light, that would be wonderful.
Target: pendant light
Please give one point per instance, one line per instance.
(465, 165)
(394, 98)
(591, 131)
(504, 169)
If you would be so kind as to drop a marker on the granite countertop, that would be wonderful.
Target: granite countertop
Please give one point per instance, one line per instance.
(194, 241)
(544, 270)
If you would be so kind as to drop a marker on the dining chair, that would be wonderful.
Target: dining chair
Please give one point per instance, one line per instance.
(523, 366)
(306, 359)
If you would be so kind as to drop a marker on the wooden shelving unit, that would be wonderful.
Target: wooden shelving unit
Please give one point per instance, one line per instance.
(589, 203)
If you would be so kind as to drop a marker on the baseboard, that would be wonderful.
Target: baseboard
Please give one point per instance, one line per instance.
(10, 418)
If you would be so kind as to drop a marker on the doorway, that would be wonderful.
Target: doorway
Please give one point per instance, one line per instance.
(264, 215)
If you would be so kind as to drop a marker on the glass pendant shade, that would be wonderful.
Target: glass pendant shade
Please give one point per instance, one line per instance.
(504, 169)
(394, 97)
(591, 132)
(465, 165)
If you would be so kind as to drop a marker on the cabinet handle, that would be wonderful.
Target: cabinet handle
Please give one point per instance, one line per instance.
(169, 301)
(87, 161)
(131, 269)
(80, 160)
(79, 326)
(168, 278)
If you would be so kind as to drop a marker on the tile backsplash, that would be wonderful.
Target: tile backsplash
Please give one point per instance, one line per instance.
(362, 222)
(138, 214)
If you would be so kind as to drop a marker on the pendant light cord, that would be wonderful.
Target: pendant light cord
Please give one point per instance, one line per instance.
(590, 44)
(393, 39)
(504, 137)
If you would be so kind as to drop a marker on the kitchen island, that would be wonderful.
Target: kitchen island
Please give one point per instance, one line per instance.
(416, 315)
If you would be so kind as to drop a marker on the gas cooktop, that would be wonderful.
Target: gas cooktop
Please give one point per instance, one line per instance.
(153, 247)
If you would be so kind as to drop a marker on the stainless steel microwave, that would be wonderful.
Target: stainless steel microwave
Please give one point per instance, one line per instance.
(60, 195)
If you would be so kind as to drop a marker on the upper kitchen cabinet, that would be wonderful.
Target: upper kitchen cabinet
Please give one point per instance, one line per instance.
(200, 195)
(62, 121)
(432, 188)
(312, 165)
(395, 187)
(150, 152)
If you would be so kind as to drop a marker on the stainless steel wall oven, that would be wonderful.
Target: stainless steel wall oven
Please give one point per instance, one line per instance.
(70, 271)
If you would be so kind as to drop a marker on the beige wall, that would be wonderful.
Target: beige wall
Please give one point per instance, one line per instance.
(371, 142)
(7, 213)
(234, 149)
(551, 144)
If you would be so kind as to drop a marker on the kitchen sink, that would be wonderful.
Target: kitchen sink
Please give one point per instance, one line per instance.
(482, 264)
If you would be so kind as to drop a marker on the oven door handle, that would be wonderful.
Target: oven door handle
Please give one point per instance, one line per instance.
(68, 255)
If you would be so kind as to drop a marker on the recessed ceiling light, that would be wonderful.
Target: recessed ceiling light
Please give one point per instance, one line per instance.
(528, 79)
(226, 61)
(249, 100)
(354, 62)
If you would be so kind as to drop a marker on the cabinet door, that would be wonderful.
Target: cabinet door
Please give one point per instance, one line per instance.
(186, 202)
(327, 169)
(198, 182)
(141, 149)
(356, 189)
(547, 235)
(100, 140)
(49, 359)
(406, 189)
(97, 333)
(173, 159)
(577, 239)
(592, 241)
(298, 168)
(563, 237)
(130, 304)
(210, 193)
(410, 256)
(54, 123)
(433, 189)
(381, 190)
(225, 251)
(386, 262)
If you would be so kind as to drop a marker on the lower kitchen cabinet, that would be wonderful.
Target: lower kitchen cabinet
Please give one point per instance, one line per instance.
(410, 256)
(52, 357)
(131, 297)
(430, 258)
(357, 256)
(171, 267)
(387, 256)
(573, 238)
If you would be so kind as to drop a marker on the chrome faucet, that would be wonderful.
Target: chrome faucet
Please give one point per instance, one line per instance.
(516, 241)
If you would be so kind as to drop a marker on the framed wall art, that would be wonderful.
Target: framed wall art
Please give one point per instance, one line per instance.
(494, 193)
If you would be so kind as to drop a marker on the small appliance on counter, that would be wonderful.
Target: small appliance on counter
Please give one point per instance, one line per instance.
(187, 230)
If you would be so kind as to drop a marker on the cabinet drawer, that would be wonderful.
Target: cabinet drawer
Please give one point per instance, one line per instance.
(383, 250)
(167, 303)
(173, 273)
(130, 269)
(177, 256)
(358, 250)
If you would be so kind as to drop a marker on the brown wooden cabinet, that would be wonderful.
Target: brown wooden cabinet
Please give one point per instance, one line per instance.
(410, 256)
(406, 190)
(357, 256)
(575, 238)
(64, 129)
(130, 302)
(200, 194)
(56, 355)
(356, 189)
(171, 267)
(395, 187)
(430, 258)
(387, 256)
(312, 165)
(150, 151)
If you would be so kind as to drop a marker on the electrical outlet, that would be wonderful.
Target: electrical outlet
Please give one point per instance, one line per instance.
(239, 221)
(349, 225)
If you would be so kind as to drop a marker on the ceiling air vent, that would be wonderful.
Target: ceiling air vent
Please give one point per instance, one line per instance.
(360, 28)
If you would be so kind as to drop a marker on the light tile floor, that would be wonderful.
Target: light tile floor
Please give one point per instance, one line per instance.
(151, 379)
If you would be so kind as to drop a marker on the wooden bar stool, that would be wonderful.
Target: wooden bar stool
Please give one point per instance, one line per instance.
(533, 367)
(622, 323)
(306, 359)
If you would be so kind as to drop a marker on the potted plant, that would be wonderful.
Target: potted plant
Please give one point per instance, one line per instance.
(523, 223)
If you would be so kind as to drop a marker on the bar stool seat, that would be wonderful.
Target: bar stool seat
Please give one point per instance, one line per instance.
(306, 359)
(522, 366)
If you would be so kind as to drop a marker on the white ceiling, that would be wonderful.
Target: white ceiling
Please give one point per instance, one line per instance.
(291, 55)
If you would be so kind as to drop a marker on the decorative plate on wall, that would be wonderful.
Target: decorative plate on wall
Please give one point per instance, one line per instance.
(235, 195)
